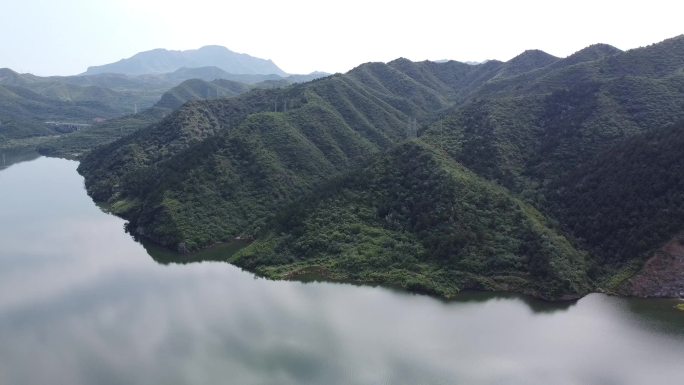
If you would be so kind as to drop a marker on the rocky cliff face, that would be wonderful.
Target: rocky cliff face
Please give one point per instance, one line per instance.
(662, 275)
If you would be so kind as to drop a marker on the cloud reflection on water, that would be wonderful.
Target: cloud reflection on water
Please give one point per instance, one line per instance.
(82, 303)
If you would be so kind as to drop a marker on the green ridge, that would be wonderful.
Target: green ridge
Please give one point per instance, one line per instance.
(523, 176)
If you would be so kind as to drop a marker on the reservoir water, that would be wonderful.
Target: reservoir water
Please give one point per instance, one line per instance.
(82, 303)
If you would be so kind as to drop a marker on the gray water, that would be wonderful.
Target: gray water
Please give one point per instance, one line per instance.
(83, 303)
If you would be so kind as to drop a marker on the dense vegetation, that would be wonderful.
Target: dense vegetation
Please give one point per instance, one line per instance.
(247, 156)
(416, 219)
(430, 176)
(627, 199)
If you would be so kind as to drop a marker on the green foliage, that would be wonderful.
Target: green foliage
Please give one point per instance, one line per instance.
(231, 163)
(413, 210)
(521, 178)
(627, 200)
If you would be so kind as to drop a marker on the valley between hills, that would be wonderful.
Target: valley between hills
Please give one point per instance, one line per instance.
(553, 177)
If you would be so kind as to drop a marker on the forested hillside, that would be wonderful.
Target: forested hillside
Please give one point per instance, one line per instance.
(627, 199)
(431, 176)
(414, 218)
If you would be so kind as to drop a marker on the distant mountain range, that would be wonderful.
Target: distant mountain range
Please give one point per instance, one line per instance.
(130, 85)
(159, 61)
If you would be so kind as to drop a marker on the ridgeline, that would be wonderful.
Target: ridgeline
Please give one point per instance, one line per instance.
(542, 175)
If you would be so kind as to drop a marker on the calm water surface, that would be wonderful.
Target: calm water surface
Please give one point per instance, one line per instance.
(82, 303)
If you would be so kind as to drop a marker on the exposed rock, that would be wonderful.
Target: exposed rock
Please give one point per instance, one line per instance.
(662, 275)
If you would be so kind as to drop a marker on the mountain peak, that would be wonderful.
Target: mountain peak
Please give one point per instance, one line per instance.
(527, 61)
(161, 60)
(6, 70)
(215, 49)
(659, 59)
(591, 53)
(9, 76)
(400, 60)
(534, 56)
(7, 73)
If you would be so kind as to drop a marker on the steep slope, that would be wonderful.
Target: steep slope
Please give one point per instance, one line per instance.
(11, 78)
(657, 61)
(277, 143)
(415, 219)
(376, 109)
(591, 53)
(662, 275)
(513, 135)
(544, 147)
(162, 61)
(626, 202)
(526, 131)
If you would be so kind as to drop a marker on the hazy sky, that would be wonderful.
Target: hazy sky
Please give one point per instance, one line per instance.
(66, 36)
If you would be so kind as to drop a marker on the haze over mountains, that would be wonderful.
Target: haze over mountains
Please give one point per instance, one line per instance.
(160, 61)
(114, 90)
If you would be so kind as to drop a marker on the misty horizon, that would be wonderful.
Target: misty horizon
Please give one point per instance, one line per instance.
(302, 36)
